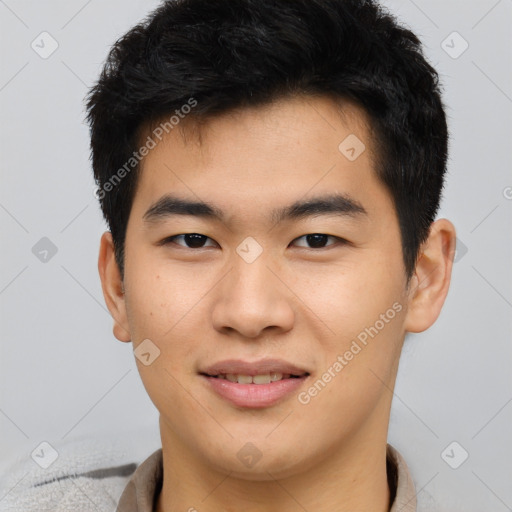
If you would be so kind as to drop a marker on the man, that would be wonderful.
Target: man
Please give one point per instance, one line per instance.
(270, 172)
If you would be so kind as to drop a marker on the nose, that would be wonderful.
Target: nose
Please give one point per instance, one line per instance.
(252, 299)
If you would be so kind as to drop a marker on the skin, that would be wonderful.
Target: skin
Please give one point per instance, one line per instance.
(297, 302)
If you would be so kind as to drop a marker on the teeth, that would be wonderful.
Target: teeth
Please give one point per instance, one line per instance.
(261, 379)
(244, 379)
(266, 378)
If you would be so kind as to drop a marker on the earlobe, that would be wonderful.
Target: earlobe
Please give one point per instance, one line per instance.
(113, 287)
(431, 280)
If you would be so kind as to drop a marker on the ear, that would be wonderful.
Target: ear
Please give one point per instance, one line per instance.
(429, 284)
(113, 289)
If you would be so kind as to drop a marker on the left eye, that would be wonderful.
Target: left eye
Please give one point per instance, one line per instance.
(317, 240)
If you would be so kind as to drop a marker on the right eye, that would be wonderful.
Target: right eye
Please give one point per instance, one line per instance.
(191, 240)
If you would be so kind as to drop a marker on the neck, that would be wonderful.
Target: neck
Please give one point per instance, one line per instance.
(353, 477)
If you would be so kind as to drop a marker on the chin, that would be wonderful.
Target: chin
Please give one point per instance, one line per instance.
(251, 464)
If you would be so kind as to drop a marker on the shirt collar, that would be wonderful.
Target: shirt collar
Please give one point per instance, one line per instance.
(141, 492)
(405, 494)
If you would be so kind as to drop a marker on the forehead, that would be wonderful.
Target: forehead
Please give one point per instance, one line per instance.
(264, 156)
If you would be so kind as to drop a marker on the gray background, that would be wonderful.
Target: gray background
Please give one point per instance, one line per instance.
(63, 374)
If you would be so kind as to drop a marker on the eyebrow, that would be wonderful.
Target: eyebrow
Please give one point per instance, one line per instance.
(334, 204)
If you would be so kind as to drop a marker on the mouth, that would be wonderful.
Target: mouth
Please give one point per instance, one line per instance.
(264, 378)
(254, 385)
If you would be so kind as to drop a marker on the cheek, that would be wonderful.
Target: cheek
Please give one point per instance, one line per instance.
(351, 296)
(158, 295)
(357, 372)
(364, 307)
(164, 305)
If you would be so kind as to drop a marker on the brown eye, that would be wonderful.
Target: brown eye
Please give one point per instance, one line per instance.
(190, 240)
(317, 240)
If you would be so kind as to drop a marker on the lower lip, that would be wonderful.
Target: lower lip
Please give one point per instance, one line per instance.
(254, 395)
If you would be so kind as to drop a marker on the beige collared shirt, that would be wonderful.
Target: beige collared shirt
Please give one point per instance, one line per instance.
(141, 493)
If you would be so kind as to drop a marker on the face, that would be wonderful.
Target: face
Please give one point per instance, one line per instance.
(289, 272)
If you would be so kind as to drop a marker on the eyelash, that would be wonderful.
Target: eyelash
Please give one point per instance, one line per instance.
(171, 240)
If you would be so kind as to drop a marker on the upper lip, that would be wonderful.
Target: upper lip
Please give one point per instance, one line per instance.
(259, 367)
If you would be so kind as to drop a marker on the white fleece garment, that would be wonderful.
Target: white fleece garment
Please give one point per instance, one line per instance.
(89, 474)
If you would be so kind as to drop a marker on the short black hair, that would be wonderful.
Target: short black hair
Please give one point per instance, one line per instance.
(220, 55)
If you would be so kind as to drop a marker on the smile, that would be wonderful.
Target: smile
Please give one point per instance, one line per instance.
(257, 384)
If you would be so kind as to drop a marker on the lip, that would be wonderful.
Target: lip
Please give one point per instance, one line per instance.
(254, 396)
(259, 367)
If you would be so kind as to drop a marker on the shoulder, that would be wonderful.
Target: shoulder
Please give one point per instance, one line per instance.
(83, 474)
